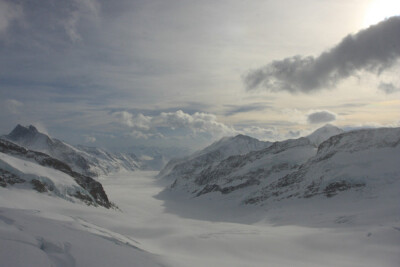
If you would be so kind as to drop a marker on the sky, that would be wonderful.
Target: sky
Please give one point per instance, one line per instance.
(177, 73)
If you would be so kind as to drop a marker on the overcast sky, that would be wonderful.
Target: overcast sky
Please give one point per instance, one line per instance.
(169, 73)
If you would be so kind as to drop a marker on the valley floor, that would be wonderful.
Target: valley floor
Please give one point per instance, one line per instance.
(39, 230)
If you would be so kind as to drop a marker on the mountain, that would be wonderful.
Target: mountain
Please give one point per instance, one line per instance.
(155, 158)
(239, 172)
(25, 168)
(210, 156)
(106, 162)
(365, 160)
(86, 160)
(323, 133)
(298, 168)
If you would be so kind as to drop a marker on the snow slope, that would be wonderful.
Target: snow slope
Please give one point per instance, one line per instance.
(29, 239)
(211, 155)
(323, 133)
(41, 231)
(365, 160)
(30, 169)
(247, 172)
(86, 160)
(244, 173)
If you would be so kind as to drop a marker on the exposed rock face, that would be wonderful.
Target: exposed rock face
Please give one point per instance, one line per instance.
(8, 178)
(39, 186)
(94, 188)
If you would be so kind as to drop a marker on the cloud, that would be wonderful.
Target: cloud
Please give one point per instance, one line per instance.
(168, 124)
(388, 88)
(13, 106)
(234, 109)
(124, 117)
(80, 9)
(293, 134)
(200, 128)
(9, 12)
(374, 49)
(261, 133)
(90, 139)
(321, 117)
(369, 125)
(138, 121)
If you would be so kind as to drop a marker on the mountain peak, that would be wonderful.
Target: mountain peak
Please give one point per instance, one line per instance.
(32, 129)
(323, 133)
(328, 126)
(29, 137)
(21, 131)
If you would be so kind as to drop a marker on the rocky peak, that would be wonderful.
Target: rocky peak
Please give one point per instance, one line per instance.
(22, 132)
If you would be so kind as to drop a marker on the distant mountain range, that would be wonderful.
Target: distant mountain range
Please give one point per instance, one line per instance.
(325, 163)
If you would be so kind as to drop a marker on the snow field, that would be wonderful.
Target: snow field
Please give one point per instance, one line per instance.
(42, 230)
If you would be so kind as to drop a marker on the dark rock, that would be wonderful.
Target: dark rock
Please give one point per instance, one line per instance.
(7, 177)
(335, 187)
(39, 186)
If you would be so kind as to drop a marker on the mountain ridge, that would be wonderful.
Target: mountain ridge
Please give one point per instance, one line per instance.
(19, 165)
(85, 160)
(212, 154)
(290, 168)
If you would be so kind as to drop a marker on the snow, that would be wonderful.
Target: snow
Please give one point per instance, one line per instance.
(31, 170)
(62, 184)
(323, 133)
(211, 155)
(89, 161)
(41, 230)
(156, 227)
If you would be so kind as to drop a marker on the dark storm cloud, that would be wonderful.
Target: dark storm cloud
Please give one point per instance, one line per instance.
(321, 117)
(373, 49)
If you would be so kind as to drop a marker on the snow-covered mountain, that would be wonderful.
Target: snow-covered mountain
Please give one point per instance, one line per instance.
(107, 162)
(27, 169)
(86, 160)
(323, 133)
(302, 167)
(249, 170)
(366, 160)
(211, 156)
(154, 158)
